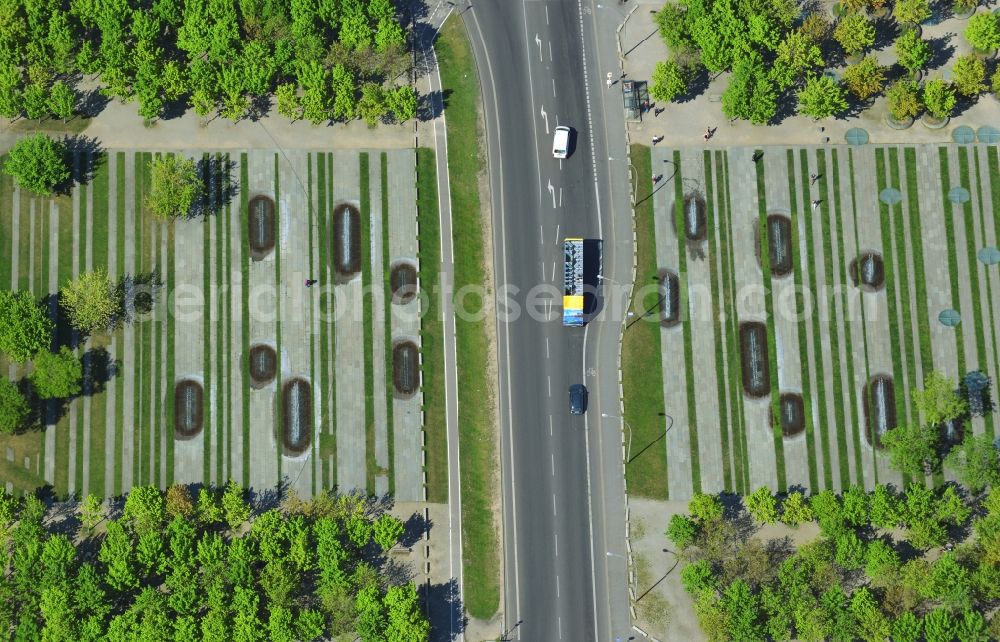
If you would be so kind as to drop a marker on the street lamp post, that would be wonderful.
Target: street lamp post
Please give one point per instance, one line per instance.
(628, 447)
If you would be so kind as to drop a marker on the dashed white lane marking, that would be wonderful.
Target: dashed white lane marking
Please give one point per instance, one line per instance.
(553, 456)
(549, 378)
(546, 347)
(553, 504)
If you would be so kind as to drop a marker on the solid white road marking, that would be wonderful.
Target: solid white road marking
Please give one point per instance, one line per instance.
(546, 14)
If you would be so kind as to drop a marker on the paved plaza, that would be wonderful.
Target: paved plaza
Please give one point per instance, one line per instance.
(215, 304)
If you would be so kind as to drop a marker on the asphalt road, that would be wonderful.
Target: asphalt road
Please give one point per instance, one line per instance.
(542, 64)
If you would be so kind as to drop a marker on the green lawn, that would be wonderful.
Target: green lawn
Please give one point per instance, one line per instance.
(476, 397)
(642, 376)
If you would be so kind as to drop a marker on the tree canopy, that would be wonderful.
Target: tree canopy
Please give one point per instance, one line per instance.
(57, 375)
(289, 576)
(38, 163)
(91, 302)
(25, 328)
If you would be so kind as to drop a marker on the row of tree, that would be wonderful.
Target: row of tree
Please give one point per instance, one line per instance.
(854, 581)
(322, 59)
(774, 56)
(172, 568)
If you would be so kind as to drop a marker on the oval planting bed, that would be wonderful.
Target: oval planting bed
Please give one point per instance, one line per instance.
(880, 408)
(753, 350)
(694, 217)
(403, 281)
(263, 365)
(296, 416)
(346, 240)
(670, 299)
(188, 408)
(793, 418)
(405, 368)
(779, 244)
(868, 271)
(260, 220)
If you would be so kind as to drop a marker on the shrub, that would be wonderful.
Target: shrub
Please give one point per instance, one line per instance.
(969, 75)
(939, 98)
(38, 164)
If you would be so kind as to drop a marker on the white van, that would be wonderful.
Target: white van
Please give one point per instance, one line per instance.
(560, 143)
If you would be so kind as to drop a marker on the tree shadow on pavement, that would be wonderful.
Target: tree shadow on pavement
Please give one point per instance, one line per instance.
(218, 187)
(445, 610)
(84, 155)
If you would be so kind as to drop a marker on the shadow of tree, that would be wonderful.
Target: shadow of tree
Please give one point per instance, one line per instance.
(218, 187)
(444, 610)
(84, 155)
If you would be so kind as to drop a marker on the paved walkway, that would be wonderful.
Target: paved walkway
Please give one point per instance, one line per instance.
(379, 321)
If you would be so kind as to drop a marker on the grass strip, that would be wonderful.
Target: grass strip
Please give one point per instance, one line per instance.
(326, 418)
(772, 348)
(207, 423)
(970, 255)
(836, 279)
(692, 404)
(312, 311)
(983, 219)
(476, 399)
(81, 251)
(807, 250)
(219, 227)
(24, 237)
(732, 336)
(431, 328)
(713, 271)
(168, 394)
(387, 321)
(642, 373)
(120, 380)
(864, 324)
(6, 232)
(99, 406)
(277, 316)
(367, 293)
(919, 275)
(149, 360)
(949, 230)
(245, 292)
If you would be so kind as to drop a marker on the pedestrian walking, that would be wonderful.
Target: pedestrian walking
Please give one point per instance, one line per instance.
(757, 156)
(656, 179)
(709, 132)
(815, 177)
(610, 80)
(658, 110)
(310, 282)
(657, 139)
(816, 203)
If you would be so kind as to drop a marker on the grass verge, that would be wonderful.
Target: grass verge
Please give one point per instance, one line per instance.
(371, 466)
(432, 328)
(642, 373)
(476, 399)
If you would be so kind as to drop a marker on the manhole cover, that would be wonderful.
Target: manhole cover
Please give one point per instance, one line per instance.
(988, 134)
(890, 196)
(989, 255)
(856, 136)
(963, 135)
(958, 195)
(950, 318)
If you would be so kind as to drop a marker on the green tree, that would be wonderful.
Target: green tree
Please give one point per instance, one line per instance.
(705, 508)
(309, 625)
(371, 106)
(829, 513)
(234, 505)
(668, 81)
(881, 562)
(672, 25)
(91, 512)
(795, 510)
(117, 555)
(850, 551)
(35, 101)
(179, 501)
(969, 75)
(940, 626)
(912, 11)
(975, 463)
(972, 627)
(939, 98)
(402, 102)
(872, 622)
(62, 101)
(907, 628)
(885, 507)
(91, 302)
(762, 505)
(11, 83)
(855, 33)
(25, 329)
(797, 56)
(406, 617)
(742, 608)
(912, 51)
(983, 31)
(149, 553)
(247, 627)
(371, 622)
(387, 531)
(682, 531)
(344, 103)
(912, 448)
(697, 577)
(950, 582)
(14, 408)
(355, 32)
(176, 186)
(145, 508)
(289, 105)
(751, 94)
(866, 78)
(950, 507)
(939, 401)
(38, 163)
(279, 625)
(994, 83)
(57, 375)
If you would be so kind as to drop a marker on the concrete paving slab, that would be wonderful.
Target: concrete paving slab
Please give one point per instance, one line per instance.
(352, 473)
(238, 379)
(129, 357)
(379, 311)
(111, 390)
